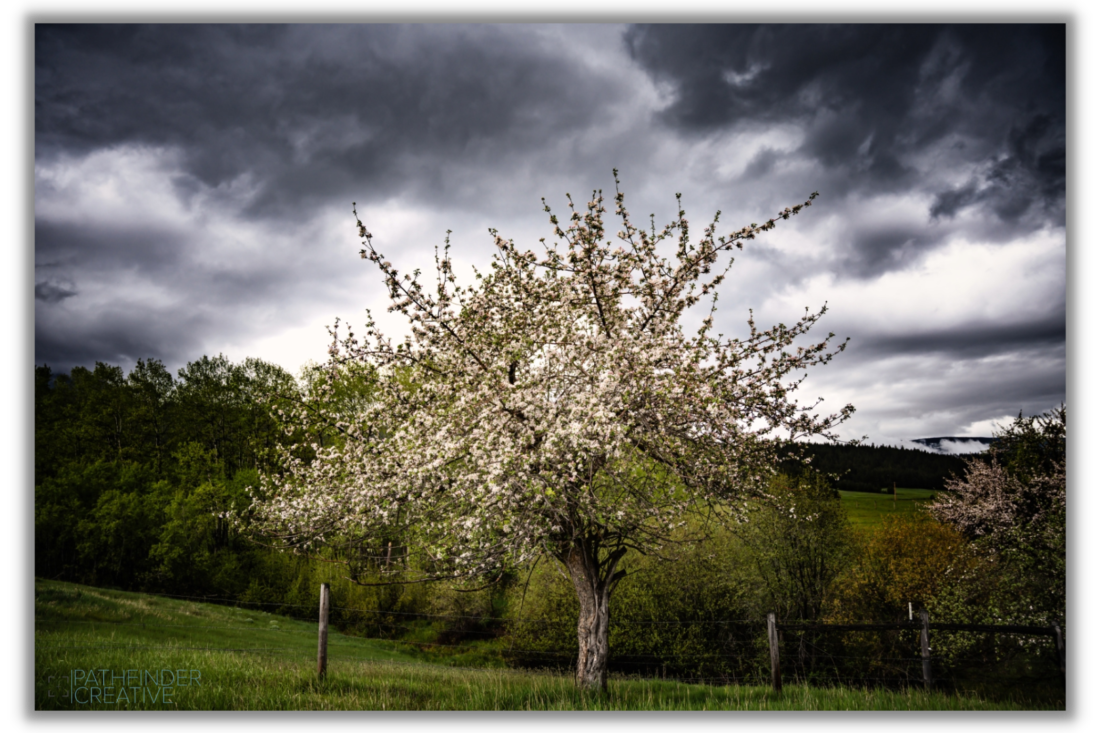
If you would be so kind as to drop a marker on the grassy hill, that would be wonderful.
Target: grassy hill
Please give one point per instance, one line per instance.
(242, 659)
(866, 510)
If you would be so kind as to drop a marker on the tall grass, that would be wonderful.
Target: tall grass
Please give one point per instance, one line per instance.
(246, 659)
(250, 682)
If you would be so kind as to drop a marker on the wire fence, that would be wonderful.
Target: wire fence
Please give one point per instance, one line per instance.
(712, 651)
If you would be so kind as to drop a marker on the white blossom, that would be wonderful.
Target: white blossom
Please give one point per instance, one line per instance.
(555, 404)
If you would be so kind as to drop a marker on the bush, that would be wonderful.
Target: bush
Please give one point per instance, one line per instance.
(1013, 506)
(697, 611)
(678, 615)
(798, 543)
(908, 560)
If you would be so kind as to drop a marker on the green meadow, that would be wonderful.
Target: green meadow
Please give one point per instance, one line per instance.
(88, 640)
(867, 510)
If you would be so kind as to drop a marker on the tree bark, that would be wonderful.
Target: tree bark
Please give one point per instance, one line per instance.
(594, 581)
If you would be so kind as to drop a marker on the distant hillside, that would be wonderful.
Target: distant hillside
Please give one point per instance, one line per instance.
(873, 468)
(956, 445)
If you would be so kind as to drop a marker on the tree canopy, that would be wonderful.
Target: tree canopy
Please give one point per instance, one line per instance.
(554, 407)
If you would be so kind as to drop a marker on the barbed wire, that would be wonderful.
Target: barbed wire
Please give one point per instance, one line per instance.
(811, 663)
(337, 642)
(498, 619)
(825, 656)
(617, 658)
(792, 626)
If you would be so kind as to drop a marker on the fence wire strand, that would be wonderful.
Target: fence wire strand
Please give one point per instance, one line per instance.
(813, 662)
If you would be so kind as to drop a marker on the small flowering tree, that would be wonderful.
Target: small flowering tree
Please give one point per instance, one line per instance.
(555, 407)
(1013, 503)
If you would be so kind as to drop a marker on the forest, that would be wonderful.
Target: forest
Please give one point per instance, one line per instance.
(874, 468)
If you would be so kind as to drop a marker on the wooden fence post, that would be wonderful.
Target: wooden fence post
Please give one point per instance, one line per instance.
(925, 650)
(1060, 646)
(773, 646)
(322, 633)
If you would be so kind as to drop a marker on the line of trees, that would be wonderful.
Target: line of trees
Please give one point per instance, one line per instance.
(871, 468)
(132, 470)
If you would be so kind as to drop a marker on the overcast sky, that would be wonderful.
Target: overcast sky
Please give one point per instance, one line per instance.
(194, 186)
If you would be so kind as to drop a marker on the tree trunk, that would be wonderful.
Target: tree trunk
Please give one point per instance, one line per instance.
(594, 581)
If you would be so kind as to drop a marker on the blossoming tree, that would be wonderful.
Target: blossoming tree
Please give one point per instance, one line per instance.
(554, 407)
(1013, 502)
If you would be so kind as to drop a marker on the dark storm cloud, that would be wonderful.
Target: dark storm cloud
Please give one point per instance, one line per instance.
(190, 179)
(113, 247)
(904, 392)
(52, 291)
(1033, 174)
(121, 336)
(307, 111)
(972, 341)
(120, 292)
(879, 104)
(269, 125)
(1033, 384)
(872, 250)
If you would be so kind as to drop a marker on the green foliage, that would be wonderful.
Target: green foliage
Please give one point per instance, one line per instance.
(1033, 446)
(153, 410)
(670, 616)
(133, 471)
(908, 560)
(799, 542)
(155, 523)
(994, 592)
(91, 521)
(115, 535)
(1012, 508)
(696, 610)
(1033, 450)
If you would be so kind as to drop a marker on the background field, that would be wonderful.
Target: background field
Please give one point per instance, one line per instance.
(867, 510)
(253, 660)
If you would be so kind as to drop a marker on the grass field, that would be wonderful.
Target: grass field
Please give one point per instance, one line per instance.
(88, 640)
(867, 510)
